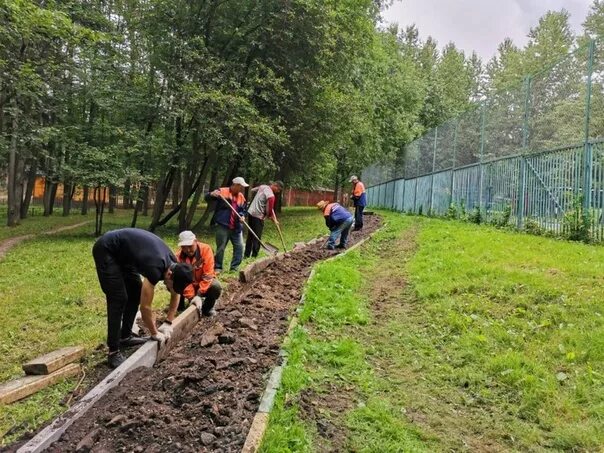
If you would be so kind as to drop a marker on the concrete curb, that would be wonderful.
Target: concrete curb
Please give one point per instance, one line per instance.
(260, 422)
(145, 356)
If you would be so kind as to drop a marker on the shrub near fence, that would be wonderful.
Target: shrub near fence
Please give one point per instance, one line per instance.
(531, 156)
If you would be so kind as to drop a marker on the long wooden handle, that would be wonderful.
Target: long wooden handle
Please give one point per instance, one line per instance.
(242, 221)
(280, 233)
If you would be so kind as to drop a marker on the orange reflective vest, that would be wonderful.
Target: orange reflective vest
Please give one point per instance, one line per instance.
(203, 269)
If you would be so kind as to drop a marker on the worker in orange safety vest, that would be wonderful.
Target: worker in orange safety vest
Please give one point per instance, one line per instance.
(205, 284)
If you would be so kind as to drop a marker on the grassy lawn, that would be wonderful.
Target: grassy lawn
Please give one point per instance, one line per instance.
(50, 298)
(39, 224)
(441, 336)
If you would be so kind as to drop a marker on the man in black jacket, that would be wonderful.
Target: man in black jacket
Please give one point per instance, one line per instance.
(121, 257)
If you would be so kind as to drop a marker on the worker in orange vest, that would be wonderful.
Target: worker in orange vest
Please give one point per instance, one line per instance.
(339, 221)
(359, 199)
(227, 221)
(205, 285)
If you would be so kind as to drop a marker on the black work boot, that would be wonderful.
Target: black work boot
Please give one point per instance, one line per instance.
(115, 359)
(133, 341)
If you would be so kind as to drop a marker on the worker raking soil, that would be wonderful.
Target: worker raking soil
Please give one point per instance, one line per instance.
(203, 397)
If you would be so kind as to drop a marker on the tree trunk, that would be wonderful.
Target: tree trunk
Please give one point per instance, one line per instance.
(31, 182)
(68, 191)
(50, 193)
(209, 163)
(161, 196)
(85, 195)
(14, 209)
(176, 188)
(112, 198)
(127, 194)
(100, 195)
(212, 205)
(142, 195)
(145, 212)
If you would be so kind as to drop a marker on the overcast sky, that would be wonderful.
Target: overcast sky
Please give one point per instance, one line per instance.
(480, 24)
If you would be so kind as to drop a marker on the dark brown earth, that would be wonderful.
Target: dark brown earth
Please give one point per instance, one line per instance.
(204, 396)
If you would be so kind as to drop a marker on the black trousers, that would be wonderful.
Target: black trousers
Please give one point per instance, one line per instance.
(122, 288)
(252, 245)
(358, 217)
(210, 297)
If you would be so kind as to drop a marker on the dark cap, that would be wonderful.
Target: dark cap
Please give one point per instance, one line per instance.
(279, 184)
(182, 276)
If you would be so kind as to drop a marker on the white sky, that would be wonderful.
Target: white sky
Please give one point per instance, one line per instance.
(480, 25)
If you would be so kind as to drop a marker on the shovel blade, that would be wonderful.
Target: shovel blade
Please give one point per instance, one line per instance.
(270, 248)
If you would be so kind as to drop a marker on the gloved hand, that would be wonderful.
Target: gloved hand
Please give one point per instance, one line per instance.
(160, 338)
(196, 301)
(166, 329)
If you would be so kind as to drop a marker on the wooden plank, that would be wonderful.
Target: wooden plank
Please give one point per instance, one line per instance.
(51, 362)
(143, 357)
(15, 390)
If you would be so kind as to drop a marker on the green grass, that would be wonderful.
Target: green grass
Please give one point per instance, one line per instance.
(515, 328)
(446, 336)
(50, 298)
(39, 224)
(330, 361)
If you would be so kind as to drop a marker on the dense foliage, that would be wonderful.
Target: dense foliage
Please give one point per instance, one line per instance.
(162, 99)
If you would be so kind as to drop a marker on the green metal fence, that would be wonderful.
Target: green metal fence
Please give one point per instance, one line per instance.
(530, 155)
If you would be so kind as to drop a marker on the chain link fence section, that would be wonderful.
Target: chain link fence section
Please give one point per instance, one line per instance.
(530, 156)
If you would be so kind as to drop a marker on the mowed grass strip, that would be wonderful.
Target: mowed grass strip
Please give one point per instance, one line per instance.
(444, 336)
(331, 398)
(50, 298)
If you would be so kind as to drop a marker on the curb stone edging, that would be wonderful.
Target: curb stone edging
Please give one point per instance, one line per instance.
(260, 421)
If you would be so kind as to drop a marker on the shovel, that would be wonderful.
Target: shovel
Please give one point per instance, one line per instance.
(268, 247)
(280, 233)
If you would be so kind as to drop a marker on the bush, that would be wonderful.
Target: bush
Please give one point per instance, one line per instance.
(501, 219)
(532, 226)
(576, 222)
(475, 216)
(452, 212)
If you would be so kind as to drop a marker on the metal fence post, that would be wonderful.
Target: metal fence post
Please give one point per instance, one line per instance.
(587, 153)
(522, 166)
(452, 194)
(480, 166)
(433, 167)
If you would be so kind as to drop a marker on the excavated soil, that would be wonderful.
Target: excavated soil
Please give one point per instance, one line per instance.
(204, 396)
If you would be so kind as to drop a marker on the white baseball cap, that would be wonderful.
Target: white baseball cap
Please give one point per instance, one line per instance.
(186, 238)
(239, 180)
(352, 178)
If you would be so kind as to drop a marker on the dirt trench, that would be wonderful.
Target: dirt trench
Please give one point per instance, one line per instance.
(204, 396)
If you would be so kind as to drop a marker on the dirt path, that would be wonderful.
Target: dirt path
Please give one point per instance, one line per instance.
(203, 397)
(7, 244)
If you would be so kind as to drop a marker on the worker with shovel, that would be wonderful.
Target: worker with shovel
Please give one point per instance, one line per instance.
(262, 207)
(227, 218)
(339, 221)
(121, 257)
(205, 285)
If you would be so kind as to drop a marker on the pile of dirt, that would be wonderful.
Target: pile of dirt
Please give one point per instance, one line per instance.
(204, 396)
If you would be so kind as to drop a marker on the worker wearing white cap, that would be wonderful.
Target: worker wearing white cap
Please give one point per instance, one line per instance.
(205, 285)
(229, 212)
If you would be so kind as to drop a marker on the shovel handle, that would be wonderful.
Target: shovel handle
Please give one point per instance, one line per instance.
(243, 221)
(280, 233)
